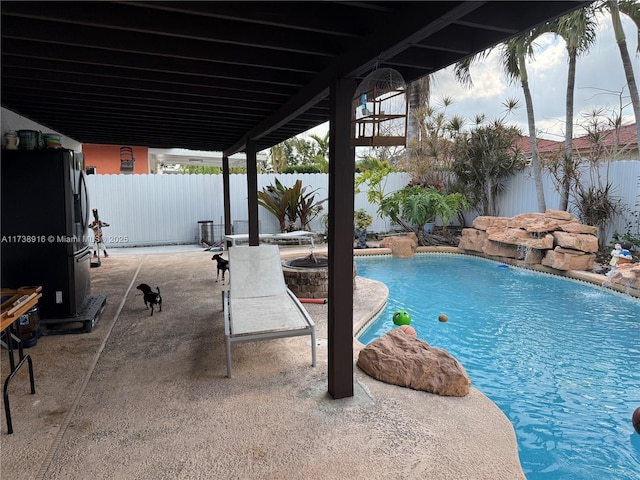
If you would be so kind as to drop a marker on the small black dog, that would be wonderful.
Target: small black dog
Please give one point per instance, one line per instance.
(223, 266)
(150, 297)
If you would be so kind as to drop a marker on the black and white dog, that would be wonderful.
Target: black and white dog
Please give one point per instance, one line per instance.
(150, 297)
(223, 266)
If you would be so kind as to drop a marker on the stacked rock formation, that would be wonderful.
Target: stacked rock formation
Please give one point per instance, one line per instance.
(555, 239)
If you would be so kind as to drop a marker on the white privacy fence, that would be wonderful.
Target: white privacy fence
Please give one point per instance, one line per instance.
(624, 176)
(165, 209)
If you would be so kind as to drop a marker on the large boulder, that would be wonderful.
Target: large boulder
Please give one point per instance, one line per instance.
(568, 259)
(483, 222)
(403, 246)
(499, 249)
(401, 359)
(577, 227)
(576, 241)
(626, 276)
(559, 215)
(472, 239)
(516, 236)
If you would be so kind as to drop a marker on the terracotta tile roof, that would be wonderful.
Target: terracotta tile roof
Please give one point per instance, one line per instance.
(544, 146)
(627, 137)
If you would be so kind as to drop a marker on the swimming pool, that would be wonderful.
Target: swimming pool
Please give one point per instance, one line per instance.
(560, 358)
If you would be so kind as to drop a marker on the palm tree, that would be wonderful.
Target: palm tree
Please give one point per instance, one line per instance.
(514, 54)
(321, 146)
(578, 29)
(419, 93)
(632, 9)
(278, 154)
(321, 151)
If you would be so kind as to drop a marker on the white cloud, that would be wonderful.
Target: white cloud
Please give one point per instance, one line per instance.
(600, 81)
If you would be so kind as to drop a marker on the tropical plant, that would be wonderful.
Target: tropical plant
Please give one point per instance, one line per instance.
(485, 156)
(596, 205)
(414, 206)
(301, 155)
(429, 155)
(308, 207)
(374, 176)
(361, 219)
(275, 200)
(288, 204)
(321, 151)
(279, 155)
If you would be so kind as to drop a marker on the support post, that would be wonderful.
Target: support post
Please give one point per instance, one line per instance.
(252, 193)
(226, 197)
(341, 192)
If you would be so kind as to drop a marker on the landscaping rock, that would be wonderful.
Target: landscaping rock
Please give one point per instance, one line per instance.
(576, 241)
(577, 227)
(472, 239)
(627, 277)
(484, 222)
(559, 215)
(404, 360)
(403, 247)
(498, 249)
(567, 259)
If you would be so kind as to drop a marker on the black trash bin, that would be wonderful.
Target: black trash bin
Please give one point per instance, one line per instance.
(30, 327)
(205, 229)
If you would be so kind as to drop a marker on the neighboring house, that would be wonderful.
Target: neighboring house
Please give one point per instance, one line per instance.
(610, 144)
(604, 145)
(116, 159)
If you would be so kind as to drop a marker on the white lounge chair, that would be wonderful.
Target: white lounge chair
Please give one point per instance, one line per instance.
(258, 304)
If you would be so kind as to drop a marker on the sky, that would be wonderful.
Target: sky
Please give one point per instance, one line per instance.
(600, 83)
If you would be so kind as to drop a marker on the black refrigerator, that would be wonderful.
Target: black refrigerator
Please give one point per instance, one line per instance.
(44, 223)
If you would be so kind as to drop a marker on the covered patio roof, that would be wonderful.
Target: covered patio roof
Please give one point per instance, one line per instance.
(211, 75)
(240, 76)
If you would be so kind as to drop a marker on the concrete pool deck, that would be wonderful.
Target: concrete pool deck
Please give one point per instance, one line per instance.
(147, 398)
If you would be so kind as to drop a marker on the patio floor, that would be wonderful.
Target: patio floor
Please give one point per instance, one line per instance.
(146, 397)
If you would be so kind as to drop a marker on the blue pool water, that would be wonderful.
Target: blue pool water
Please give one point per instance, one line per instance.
(560, 358)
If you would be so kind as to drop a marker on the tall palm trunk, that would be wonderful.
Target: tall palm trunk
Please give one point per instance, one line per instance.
(567, 167)
(419, 92)
(626, 61)
(535, 158)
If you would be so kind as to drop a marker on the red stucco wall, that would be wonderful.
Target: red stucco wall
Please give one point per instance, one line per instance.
(106, 158)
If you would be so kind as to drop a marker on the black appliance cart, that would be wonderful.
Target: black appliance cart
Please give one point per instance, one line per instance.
(44, 231)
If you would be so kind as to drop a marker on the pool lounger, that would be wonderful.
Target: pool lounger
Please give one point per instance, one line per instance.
(258, 304)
